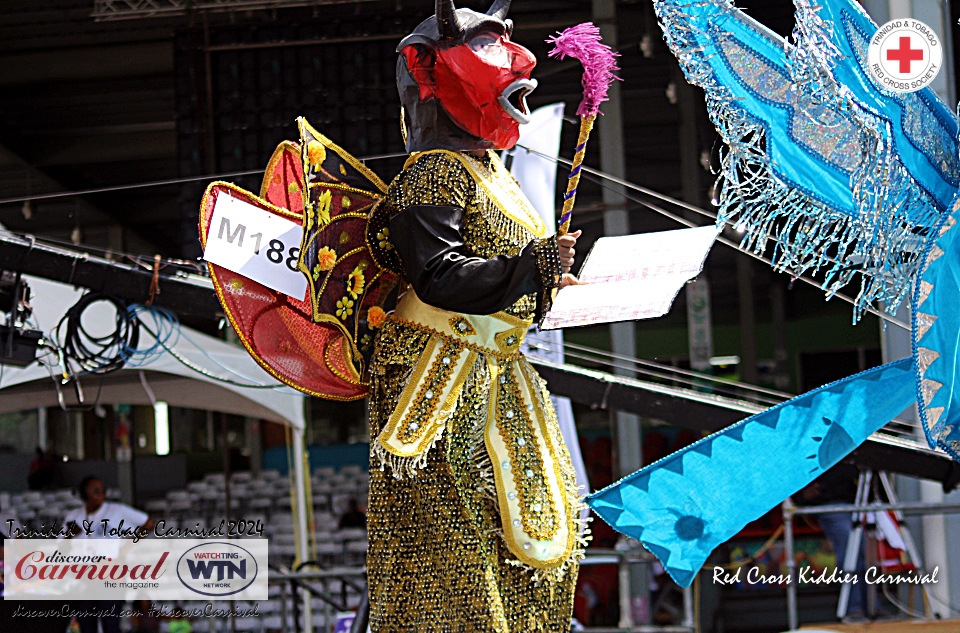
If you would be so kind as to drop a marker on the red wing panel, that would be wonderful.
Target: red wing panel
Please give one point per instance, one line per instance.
(277, 330)
(283, 179)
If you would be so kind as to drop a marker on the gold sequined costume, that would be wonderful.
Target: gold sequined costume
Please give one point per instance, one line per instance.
(473, 517)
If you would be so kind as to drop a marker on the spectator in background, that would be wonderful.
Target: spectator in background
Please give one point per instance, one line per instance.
(41, 471)
(144, 619)
(96, 509)
(353, 517)
(88, 522)
(179, 622)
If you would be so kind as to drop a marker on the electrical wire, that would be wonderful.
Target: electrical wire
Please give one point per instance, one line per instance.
(594, 175)
(96, 354)
(590, 174)
(168, 182)
(899, 428)
(80, 352)
(903, 608)
(200, 370)
(941, 602)
(693, 375)
(716, 386)
(166, 325)
(216, 361)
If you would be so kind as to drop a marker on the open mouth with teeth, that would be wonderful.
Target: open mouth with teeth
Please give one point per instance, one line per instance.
(513, 99)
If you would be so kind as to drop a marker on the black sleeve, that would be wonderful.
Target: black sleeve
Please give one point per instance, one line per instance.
(444, 274)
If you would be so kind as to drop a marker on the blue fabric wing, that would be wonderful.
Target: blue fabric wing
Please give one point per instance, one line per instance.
(922, 129)
(843, 178)
(807, 167)
(936, 326)
(688, 503)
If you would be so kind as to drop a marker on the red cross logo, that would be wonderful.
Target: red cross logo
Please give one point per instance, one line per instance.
(905, 55)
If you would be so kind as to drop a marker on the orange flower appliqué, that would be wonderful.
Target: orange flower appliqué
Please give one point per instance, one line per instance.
(316, 152)
(326, 258)
(376, 316)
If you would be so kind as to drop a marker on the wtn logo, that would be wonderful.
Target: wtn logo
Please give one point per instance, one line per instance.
(224, 569)
(217, 569)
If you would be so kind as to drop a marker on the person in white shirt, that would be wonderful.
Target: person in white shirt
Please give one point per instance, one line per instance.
(99, 518)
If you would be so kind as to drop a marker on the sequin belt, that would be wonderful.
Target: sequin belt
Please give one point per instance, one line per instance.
(497, 334)
(521, 437)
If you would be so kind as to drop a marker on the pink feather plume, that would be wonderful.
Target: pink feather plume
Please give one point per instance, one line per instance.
(582, 42)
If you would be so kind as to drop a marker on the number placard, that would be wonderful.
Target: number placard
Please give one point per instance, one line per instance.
(257, 244)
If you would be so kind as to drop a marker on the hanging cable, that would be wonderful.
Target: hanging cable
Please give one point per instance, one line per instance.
(200, 370)
(166, 325)
(595, 173)
(93, 353)
(694, 376)
(166, 183)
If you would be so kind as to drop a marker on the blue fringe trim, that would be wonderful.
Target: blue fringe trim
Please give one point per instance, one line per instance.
(879, 247)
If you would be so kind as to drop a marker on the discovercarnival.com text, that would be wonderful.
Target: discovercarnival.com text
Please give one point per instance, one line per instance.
(207, 611)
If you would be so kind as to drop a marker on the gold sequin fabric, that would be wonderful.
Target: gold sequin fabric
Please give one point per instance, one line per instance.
(437, 560)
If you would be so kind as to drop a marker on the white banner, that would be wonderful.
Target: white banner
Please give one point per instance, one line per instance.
(257, 244)
(123, 569)
(534, 164)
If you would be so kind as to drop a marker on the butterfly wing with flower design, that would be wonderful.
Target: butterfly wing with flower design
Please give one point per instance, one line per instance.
(317, 356)
(345, 252)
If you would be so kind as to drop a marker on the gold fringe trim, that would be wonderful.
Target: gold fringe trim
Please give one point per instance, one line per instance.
(402, 467)
(479, 384)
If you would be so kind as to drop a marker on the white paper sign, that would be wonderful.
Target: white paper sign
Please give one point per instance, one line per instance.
(257, 244)
(632, 277)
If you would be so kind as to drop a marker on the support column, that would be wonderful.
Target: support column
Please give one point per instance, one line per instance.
(895, 344)
(748, 321)
(123, 436)
(254, 444)
(622, 335)
(699, 314)
(42, 431)
(781, 357)
(617, 222)
(300, 517)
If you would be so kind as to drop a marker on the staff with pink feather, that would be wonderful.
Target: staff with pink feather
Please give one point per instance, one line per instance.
(582, 42)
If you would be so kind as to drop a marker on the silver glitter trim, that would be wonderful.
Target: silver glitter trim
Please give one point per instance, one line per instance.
(925, 358)
(929, 388)
(924, 322)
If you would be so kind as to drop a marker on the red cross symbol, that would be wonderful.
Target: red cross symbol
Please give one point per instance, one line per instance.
(905, 55)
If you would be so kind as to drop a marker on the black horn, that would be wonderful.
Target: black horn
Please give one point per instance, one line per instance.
(499, 9)
(447, 22)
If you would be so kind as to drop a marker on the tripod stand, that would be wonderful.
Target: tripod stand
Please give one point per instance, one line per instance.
(865, 519)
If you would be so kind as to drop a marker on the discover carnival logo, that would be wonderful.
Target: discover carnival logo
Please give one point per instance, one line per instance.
(123, 569)
(905, 55)
(217, 569)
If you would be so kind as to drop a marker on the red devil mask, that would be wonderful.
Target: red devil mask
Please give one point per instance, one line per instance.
(465, 63)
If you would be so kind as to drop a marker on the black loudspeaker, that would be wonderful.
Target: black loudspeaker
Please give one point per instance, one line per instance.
(18, 347)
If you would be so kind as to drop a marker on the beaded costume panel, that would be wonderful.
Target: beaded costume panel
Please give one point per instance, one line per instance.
(460, 542)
